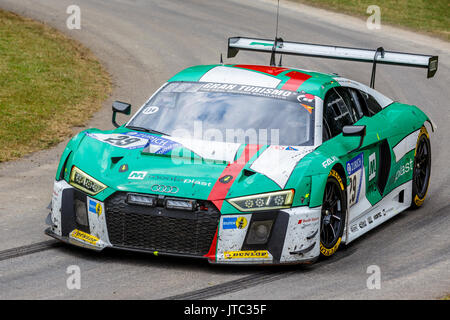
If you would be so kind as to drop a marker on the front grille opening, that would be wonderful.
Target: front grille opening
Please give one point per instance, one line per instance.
(161, 229)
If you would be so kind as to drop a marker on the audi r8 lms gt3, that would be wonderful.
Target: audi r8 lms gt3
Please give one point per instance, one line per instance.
(247, 164)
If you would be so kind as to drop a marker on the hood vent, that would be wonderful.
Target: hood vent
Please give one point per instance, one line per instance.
(114, 160)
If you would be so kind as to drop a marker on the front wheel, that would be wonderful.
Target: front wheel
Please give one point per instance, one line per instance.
(422, 169)
(334, 208)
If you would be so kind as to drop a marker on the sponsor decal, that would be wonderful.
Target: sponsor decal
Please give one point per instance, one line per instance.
(338, 178)
(229, 223)
(328, 252)
(409, 166)
(150, 110)
(260, 254)
(234, 223)
(123, 168)
(137, 175)
(164, 188)
(307, 221)
(308, 108)
(307, 101)
(305, 98)
(284, 148)
(249, 90)
(241, 222)
(355, 164)
(98, 209)
(160, 145)
(226, 179)
(91, 206)
(354, 228)
(329, 161)
(135, 140)
(166, 178)
(355, 169)
(372, 166)
(362, 224)
(128, 140)
(197, 182)
(95, 207)
(83, 236)
(418, 201)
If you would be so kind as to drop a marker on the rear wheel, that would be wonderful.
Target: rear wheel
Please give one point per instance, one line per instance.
(422, 169)
(334, 208)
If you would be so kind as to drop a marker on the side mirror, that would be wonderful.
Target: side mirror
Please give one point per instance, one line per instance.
(120, 107)
(355, 131)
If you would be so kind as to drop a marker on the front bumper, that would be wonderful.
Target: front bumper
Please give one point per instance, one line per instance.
(220, 238)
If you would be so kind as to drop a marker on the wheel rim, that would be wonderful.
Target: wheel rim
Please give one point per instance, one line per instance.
(422, 168)
(332, 215)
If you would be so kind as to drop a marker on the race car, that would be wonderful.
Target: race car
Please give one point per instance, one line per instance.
(247, 164)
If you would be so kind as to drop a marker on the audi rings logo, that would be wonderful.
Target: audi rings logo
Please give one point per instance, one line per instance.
(165, 189)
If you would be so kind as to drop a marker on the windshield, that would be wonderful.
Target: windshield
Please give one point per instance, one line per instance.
(229, 113)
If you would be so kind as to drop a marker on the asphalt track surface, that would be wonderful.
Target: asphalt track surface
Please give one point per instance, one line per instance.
(142, 43)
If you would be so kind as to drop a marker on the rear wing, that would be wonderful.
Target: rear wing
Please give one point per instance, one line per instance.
(333, 52)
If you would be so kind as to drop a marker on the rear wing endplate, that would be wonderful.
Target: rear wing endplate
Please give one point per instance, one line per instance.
(333, 52)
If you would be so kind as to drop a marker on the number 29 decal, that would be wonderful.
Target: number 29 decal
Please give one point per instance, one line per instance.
(126, 141)
(121, 141)
(355, 169)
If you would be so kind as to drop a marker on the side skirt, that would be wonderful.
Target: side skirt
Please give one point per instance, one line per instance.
(396, 201)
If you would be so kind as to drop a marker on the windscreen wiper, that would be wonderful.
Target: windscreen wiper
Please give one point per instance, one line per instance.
(146, 130)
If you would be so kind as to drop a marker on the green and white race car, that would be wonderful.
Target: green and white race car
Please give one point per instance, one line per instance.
(247, 164)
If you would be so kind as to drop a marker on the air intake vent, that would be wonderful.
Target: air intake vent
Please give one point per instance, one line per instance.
(161, 229)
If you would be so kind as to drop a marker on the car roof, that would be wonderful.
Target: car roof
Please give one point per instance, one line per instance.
(286, 78)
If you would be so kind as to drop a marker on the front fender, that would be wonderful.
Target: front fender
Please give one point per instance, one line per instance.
(70, 147)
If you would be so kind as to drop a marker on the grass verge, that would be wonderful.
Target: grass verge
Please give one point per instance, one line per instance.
(48, 84)
(426, 16)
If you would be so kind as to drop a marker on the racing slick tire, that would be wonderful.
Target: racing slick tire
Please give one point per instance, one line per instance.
(422, 169)
(334, 209)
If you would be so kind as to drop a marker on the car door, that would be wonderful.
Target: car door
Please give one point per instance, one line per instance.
(347, 106)
(380, 165)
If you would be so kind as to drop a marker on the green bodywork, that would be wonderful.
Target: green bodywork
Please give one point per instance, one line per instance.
(195, 177)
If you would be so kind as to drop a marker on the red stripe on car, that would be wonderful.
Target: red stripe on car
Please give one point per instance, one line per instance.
(229, 174)
(274, 71)
(212, 250)
(223, 185)
(295, 81)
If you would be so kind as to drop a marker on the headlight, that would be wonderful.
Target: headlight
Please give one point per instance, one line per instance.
(85, 182)
(178, 204)
(265, 201)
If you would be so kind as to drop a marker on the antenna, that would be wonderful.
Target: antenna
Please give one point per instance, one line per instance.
(380, 51)
(278, 14)
(221, 58)
(272, 57)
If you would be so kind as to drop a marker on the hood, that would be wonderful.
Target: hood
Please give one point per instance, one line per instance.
(148, 163)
